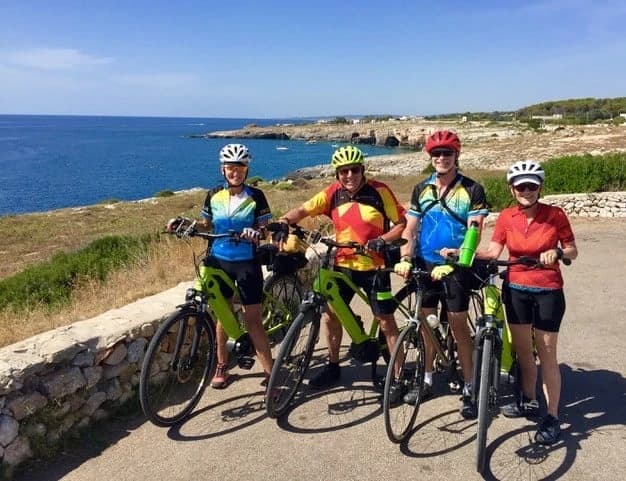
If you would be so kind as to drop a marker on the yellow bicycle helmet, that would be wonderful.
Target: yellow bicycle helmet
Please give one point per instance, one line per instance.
(348, 155)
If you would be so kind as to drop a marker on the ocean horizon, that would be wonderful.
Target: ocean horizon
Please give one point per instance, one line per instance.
(56, 161)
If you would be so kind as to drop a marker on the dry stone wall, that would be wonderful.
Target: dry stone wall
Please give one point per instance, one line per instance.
(57, 383)
(602, 204)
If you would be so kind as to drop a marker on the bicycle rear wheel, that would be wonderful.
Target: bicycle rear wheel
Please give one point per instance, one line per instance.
(292, 362)
(281, 302)
(484, 412)
(176, 367)
(409, 353)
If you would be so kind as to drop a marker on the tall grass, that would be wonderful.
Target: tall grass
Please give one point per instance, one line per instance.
(52, 283)
(161, 265)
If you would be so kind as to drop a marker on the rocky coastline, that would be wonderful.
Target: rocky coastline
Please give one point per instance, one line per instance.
(486, 145)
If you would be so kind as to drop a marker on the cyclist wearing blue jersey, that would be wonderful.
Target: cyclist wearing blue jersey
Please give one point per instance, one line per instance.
(239, 207)
(442, 208)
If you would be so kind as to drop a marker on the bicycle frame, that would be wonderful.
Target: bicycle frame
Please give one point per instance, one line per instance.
(494, 318)
(326, 285)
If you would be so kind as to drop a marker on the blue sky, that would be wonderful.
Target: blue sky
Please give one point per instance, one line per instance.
(288, 58)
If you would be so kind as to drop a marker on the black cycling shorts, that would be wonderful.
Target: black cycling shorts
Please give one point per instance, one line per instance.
(374, 284)
(544, 309)
(247, 276)
(454, 289)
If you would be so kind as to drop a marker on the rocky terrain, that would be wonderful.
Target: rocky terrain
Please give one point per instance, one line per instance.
(491, 145)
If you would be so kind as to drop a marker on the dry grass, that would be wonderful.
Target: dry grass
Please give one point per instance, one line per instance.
(35, 238)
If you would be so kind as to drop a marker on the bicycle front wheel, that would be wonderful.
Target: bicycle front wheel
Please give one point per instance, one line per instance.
(281, 302)
(176, 367)
(400, 412)
(484, 413)
(292, 362)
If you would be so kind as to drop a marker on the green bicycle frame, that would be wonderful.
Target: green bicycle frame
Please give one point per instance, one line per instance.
(325, 283)
(493, 307)
(207, 282)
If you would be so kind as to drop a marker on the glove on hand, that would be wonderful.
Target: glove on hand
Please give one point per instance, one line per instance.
(403, 268)
(376, 245)
(440, 272)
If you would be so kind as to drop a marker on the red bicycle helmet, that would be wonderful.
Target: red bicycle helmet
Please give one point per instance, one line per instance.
(443, 139)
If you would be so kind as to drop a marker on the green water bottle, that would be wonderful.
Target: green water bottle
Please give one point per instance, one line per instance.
(468, 248)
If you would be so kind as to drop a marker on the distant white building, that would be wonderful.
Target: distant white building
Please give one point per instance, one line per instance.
(622, 115)
(548, 117)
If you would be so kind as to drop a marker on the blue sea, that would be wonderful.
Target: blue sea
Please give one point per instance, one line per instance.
(49, 162)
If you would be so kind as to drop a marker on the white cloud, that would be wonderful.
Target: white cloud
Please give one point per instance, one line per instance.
(55, 59)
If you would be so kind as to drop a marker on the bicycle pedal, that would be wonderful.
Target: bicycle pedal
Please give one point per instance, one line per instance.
(245, 362)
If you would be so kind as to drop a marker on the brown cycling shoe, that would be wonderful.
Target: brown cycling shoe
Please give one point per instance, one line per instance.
(221, 378)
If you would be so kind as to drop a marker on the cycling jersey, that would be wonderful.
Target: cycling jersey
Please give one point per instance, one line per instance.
(251, 210)
(549, 227)
(359, 217)
(443, 219)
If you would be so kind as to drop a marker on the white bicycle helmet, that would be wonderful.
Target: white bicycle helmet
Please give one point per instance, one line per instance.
(525, 171)
(235, 154)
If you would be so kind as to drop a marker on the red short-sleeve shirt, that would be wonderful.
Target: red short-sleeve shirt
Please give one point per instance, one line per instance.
(549, 227)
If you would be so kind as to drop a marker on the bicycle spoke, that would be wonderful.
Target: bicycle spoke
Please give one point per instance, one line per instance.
(403, 388)
(177, 364)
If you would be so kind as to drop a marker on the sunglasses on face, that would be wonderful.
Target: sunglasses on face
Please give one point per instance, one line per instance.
(345, 170)
(235, 167)
(523, 187)
(439, 152)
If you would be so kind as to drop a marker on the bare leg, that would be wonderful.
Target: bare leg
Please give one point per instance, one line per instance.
(522, 343)
(463, 338)
(550, 372)
(252, 316)
(429, 348)
(390, 330)
(334, 333)
(221, 338)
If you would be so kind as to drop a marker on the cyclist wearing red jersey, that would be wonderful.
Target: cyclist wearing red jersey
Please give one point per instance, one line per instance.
(442, 208)
(364, 211)
(534, 298)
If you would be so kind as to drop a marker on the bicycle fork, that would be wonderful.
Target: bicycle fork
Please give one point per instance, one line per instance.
(487, 328)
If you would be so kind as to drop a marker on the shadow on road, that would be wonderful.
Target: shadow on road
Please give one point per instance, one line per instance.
(91, 444)
(592, 403)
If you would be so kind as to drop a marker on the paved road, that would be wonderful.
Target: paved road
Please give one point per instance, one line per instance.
(340, 434)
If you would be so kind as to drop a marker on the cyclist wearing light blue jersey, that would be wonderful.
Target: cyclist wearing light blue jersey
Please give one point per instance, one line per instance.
(442, 208)
(242, 208)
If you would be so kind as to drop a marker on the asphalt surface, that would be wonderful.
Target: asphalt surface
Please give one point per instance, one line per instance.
(339, 434)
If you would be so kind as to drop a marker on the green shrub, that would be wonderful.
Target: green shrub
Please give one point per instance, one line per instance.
(566, 175)
(585, 173)
(254, 180)
(51, 283)
(497, 191)
(164, 193)
(285, 186)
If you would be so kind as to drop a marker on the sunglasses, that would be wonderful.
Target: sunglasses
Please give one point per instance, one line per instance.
(439, 152)
(235, 167)
(529, 186)
(355, 169)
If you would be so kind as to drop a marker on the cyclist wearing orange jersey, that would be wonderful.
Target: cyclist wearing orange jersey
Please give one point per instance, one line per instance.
(364, 211)
(533, 297)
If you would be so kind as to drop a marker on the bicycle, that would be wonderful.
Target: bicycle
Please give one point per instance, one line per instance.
(181, 356)
(493, 355)
(409, 353)
(294, 356)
